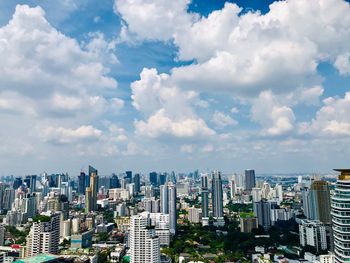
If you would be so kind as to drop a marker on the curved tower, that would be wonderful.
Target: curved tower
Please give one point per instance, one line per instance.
(340, 203)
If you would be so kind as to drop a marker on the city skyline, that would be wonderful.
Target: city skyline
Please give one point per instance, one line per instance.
(174, 85)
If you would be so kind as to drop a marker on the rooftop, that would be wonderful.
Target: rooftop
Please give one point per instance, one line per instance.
(37, 259)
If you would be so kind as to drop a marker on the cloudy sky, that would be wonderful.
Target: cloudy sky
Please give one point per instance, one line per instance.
(174, 85)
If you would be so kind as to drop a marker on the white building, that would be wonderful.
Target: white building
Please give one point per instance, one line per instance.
(256, 194)
(119, 194)
(44, 235)
(144, 243)
(315, 234)
(194, 215)
(328, 258)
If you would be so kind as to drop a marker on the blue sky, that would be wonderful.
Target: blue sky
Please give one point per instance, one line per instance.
(174, 85)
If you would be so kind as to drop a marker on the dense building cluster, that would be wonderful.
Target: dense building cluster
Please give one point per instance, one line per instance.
(142, 218)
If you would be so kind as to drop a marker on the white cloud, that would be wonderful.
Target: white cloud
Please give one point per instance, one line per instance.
(167, 109)
(159, 124)
(333, 119)
(62, 135)
(342, 63)
(222, 120)
(275, 119)
(153, 19)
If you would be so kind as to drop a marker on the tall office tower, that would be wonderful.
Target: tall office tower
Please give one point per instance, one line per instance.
(30, 207)
(340, 201)
(256, 194)
(265, 191)
(128, 176)
(88, 200)
(149, 191)
(44, 235)
(262, 211)
(81, 183)
(17, 183)
(172, 208)
(307, 204)
(205, 199)
(9, 197)
(217, 196)
(164, 200)
(279, 192)
(153, 178)
(144, 243)
(249, 176)
(239, 179)
(232, 189)
(114, 181)
(136, 181)
(320, 195)
(162, 178)
(94, 187)
(204, 180)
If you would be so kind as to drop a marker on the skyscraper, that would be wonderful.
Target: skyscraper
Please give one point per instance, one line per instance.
(44, 235)
(114, 181)
(136, 181)
(172, 208)
(249, 178)
(164, 200)
(217, 198)
(205, 199)
(81, 183)
(316, 201)
(128, 176)
(94, 187)
(88, 200)
(320, 195)
(340, 201)
(153, 178)
(144, 243)
(262, 211)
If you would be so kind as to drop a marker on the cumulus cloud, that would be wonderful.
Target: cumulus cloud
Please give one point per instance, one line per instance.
(167, 109)
(62, 135)
(333, 119)
(222, 120)
(275, 119)
(153, 19)
(251, 52)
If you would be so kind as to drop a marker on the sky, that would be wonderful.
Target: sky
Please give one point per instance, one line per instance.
(163, 85)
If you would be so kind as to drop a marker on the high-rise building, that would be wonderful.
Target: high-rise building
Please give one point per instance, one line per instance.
(144, 243)
(172, 208)
(217, 196)
(320, 195)
(316, 201)
(30, 180)
(44, 235)
(205, 199)
(249, 176)
(153, 178)
(128, 176)
(136, 181)
(256, 194)
(262, 211)
(232, 189)
(114, 181)
(194, 215)
(94, 187)
(340, 202)
(315, 234)
(247, 224)
(81, 183)
(162, 178)
(164, 200)
(88, 200)
(17, 183)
